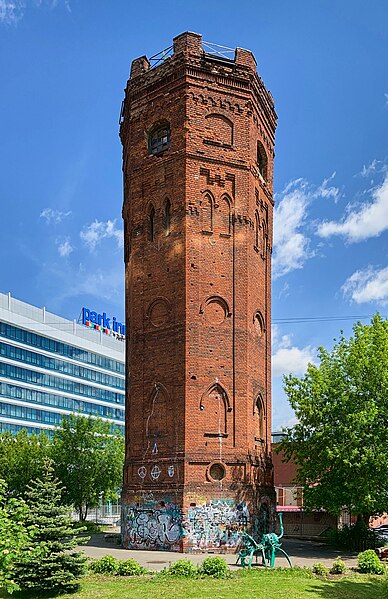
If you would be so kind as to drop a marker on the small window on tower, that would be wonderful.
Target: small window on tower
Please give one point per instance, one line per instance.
(167, 217)
(159, 139)
(262, 160)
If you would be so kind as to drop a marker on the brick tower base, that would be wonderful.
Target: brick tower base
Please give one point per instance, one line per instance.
(199, 521)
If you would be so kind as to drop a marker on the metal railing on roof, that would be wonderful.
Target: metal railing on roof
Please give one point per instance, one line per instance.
(217, 50)
(208, 47)
(161, 56)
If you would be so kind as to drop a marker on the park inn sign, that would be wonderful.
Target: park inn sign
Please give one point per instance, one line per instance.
(100, 322)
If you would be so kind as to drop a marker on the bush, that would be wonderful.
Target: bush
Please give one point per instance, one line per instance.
(106, 565)
(183, 568)
(320, 569)
(90, 527)
(338, 567)
(369, 563)
(214, 566)
(130, 567)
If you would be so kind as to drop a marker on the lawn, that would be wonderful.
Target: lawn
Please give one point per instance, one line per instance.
(244, 585)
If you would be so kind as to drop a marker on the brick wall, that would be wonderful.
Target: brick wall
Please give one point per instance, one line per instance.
(198, 300)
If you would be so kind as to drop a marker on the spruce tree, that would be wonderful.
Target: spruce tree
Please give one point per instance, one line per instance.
(49, 564)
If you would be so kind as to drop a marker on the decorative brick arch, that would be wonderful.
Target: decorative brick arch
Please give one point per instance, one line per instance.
(224, 215)
(219, 129)
(215, 406)
(207, 211)
(216, 309)
(160, 422)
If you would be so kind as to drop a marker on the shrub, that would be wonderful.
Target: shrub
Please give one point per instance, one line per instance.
(338, 567)
(320, 569)
(130, 567)
(369, 563)
(184, 568)
(90, 527)
(106, 565)
(214, 566)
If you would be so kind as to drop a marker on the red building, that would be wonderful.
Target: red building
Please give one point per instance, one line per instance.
(197, 128)
(289, 500)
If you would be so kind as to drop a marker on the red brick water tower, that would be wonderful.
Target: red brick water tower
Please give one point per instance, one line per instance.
(197, 128)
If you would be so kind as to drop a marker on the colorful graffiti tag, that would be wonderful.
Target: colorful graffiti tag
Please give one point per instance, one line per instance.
(151, 526)
(216, 524)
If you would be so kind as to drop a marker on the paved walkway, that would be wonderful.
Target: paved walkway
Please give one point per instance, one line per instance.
(302, 553)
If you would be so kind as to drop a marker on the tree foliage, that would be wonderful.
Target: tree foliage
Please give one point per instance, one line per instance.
(88, 459)
(21, 459)
(48, 563)
(13, 536)
(340, 444)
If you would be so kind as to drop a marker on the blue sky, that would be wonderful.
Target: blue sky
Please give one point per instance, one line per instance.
(64, 64)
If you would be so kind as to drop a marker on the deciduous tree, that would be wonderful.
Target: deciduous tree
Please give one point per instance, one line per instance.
(340, 444)
(13, 536)
(88, 457)
(21, 459)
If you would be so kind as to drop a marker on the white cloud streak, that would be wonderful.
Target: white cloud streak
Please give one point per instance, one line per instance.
(12, 11)
(54, 216)
(288, 358)
(369, 285)
(94, 233)
(65, 248)
(291, 244)
(362, 221)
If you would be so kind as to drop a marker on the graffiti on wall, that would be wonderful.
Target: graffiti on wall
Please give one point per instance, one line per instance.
(152, 526)
(216, 524)
(209, 524)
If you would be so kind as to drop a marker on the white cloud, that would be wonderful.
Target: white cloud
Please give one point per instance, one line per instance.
(103, 284)
(12, 11)
(370, 169)
(54, 216)
(327, 191)
(361, 222)
(287, 358)
(369, 285)
(386, 98)
(93, 234)
(291, 244)
(65, 248)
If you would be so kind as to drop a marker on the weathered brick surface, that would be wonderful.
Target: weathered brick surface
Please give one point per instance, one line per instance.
(198, 299)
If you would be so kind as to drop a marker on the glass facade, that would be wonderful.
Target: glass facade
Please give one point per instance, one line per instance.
(45, 376)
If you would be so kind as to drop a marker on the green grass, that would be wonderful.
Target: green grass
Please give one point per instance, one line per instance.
(286, 584)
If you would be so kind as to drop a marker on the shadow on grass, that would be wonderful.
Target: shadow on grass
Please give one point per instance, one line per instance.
(376, 588)
(38, 594)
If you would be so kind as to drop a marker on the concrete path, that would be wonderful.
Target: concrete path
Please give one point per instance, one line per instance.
(302, 553)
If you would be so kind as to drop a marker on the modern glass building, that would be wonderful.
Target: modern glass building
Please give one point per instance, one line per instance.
(50, 366)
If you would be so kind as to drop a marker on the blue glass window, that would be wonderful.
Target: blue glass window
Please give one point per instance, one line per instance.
(57, 347)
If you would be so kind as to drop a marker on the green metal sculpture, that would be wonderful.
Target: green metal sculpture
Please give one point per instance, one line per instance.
(266, 547)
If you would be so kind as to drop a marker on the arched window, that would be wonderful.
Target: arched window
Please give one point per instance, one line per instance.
(207, 213)
(151, 223)
(257, 230)
(259, 416)
(262, 160)
(214, 407)
(219, 130)
(167, 217)
(159, 425)
(223, 215)
(159, 138)
(264, 239)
